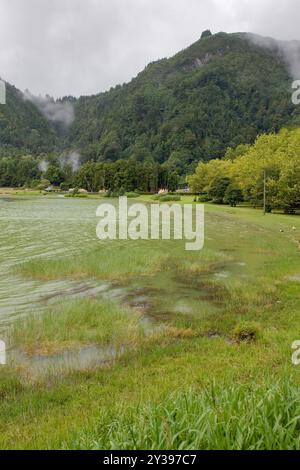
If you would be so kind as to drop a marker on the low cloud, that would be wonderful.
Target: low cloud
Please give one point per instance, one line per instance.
(82, 47)
(287, 51)
(56, 111)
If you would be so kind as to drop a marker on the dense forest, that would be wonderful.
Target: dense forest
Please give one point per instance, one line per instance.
(117, 177)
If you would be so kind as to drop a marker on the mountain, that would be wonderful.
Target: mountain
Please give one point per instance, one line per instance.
(22, 125)
(220, 92)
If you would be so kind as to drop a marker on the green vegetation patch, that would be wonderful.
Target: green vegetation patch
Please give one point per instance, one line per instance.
(216, 418)
(69, 325)
(113, 261)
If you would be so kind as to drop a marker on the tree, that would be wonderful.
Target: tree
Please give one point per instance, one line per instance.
(110, 148)
(207, 172)
(233, 153)
(217, 189)
(125, 176)
(233, 195)
(55, 175)
(288, 196)
(173, 181)
(275, 155)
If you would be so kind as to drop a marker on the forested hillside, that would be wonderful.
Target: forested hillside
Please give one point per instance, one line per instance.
(22, 126)
(220, 92)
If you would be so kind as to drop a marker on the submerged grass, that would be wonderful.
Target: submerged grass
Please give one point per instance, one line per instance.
(72, 324)
(112, 262)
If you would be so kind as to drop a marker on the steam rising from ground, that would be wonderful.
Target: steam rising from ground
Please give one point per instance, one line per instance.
(287, 51)
(72, 160)
(43, 166)
(56, 111)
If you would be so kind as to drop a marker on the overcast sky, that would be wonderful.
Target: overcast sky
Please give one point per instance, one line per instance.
(79, 47)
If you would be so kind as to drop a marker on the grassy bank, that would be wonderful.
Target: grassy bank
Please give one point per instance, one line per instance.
(227, 317)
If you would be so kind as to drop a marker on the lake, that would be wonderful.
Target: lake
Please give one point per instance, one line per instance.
(41, 227)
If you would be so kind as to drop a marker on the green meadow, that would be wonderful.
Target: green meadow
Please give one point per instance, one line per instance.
(175, 349)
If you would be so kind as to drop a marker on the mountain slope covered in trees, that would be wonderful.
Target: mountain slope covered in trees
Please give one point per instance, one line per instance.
(23, 127)
(222, 91)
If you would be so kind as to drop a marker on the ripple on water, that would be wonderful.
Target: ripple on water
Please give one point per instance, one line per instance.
(40, 227)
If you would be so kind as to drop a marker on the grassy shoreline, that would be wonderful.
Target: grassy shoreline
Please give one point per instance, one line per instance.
(204, 302)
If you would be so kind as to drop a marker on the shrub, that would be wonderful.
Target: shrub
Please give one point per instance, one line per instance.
(217, 189)
(41, 185)
(132, 195)
(64, 186)
(233, 195)
(204, 198)
(246, 332)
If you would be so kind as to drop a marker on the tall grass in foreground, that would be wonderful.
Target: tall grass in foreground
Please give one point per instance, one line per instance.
(231, 418)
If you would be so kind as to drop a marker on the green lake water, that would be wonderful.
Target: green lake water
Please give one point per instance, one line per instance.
(42, 227)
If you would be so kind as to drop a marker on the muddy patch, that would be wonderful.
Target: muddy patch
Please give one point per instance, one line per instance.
(205, 290)
(142, 299)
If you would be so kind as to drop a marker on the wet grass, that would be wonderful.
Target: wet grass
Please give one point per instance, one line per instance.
(112, 262)
(161, 391)
(81, 408)
(71, 325)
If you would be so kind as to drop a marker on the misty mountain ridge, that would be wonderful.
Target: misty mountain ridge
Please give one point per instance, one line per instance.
(220, 92)
(288, 52)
